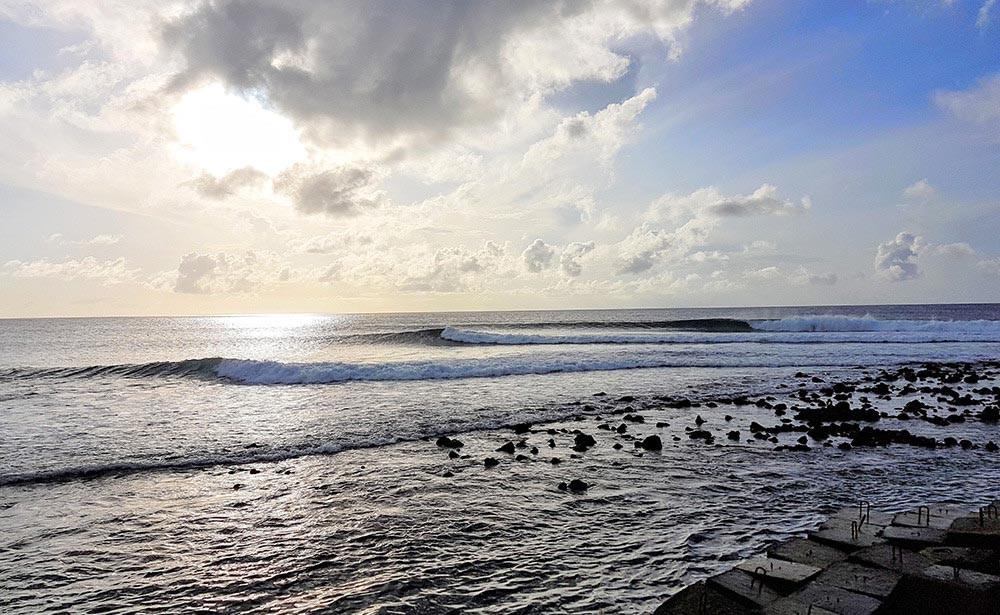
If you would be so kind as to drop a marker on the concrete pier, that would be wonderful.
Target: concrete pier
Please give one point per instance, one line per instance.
(934, 560)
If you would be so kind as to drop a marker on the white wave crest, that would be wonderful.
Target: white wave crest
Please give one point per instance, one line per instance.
(870, 324)
(273, 372)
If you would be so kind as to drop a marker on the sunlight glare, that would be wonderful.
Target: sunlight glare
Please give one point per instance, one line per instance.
(220, 132)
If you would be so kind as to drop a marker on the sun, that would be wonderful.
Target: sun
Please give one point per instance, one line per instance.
(219, 132)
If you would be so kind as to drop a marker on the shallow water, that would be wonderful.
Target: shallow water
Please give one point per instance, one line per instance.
(117, 484)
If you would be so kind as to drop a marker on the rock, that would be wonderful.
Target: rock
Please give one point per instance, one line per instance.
(992, 447)
(507, 448)
(617, 446)
(661, 424)
(802, 440)
(634, 418)
(728, 418)
(845, 446)
(578, 486)
(583, 441)
(965, 444)
(555, 461)
(699, 421)
(990, 414)
(447, 474)
(238, 486)
(561, 486)
(489, 462)
(552, 443)
(701, 434)
(522, 458)
(652, 443)
(446, 442)
(734, 436)
(452, 455)
(622, 428)
(254, 471)
(522, 428)
(534, 450)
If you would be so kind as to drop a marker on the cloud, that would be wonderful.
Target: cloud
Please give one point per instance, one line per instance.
(97, 240)
(921, 190)
(333, 242)
(983, 16)
(952, 250)
(822, 279)
(339, 192)
(455, 269)
(108, 272)
(896, 260)
(990, 265)
(390, 74)
(538, 256)
(762, 202)
(691, 219)
(569, 261)
(979, 104)
(214, 187)
(222, 273)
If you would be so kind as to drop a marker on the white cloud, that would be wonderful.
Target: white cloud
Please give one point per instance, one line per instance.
(538, 256)
(227, 185)
(109, 272)
(569, 261)
(921, 190)
(952, 250)
(979, 104)
(896, 259)
(223, 273)
(97, 240)
(983, 16)
(990, 265)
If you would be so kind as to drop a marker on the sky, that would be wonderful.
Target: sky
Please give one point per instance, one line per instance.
(258, 156)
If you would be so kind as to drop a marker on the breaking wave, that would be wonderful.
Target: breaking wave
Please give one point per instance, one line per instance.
(817, 324)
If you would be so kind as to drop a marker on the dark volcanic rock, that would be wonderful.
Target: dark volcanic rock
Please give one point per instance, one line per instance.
(733, 435)
(522, 428)
(992, 447)
(507, 448)
(446, 442)
(840, 411)
(578, 486)
(583, 441)
(489, 462)
(701, 434)
(990, 414)
(652, 443)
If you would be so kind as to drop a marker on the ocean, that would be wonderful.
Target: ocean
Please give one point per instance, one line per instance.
(288, 464)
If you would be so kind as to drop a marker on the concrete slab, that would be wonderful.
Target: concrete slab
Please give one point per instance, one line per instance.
(837, 534)
(914, 537)
(835, 599)
(938, 590)
(805, 551)
(975, 532)
(788, 606)
(699, 599)
(981, 560)
(779, 574)
(874, 582)
(744, 588)
(902, 561)
(941, 517)
(855, 513)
